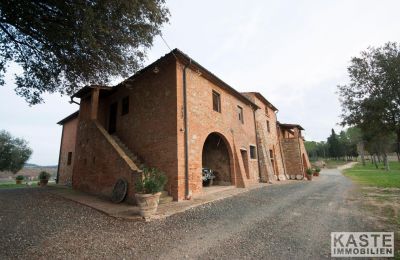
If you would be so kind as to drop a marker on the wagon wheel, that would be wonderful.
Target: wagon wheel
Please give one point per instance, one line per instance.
(119, 191)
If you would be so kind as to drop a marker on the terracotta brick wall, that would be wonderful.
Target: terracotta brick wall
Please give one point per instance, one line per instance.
(97, 164)
(67, 146)
(203, 120)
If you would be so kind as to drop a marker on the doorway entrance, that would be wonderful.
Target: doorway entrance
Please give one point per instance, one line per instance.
(112, 119)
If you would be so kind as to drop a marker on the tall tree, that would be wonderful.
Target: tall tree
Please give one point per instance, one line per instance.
(63, 45)
(14, 152)
(334, 145)
(372, 99)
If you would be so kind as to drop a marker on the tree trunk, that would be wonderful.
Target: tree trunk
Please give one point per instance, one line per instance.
(386, 162)
(362, 153)
(374, 160)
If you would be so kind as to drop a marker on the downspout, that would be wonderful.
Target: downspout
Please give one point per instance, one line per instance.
(59, 156)
(257, 143)
(185, 120)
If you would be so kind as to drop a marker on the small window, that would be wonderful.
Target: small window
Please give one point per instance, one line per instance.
(267, 110)
(125, 106)
(240, 114)
(253, 154)
(216, 101)
(268, 128)
(69, 160)
(271, 154)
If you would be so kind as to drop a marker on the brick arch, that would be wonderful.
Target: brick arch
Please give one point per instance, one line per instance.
(214, 138)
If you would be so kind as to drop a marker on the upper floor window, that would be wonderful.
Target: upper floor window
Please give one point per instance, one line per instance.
(125, 106)
(240, 114)
(267, 110)
(216, 98)
(268, 127)
(253, 154)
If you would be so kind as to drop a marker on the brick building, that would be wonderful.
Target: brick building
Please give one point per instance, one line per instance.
(177, 116)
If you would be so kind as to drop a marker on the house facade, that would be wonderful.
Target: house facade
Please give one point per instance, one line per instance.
(177, 116)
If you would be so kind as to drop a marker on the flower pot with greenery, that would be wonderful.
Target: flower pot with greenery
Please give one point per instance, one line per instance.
(44, 178)
(316, 171)
(19, 179)
(148, 191)
(309, 174)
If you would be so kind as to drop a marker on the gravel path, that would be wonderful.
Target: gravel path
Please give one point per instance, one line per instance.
(291, 221)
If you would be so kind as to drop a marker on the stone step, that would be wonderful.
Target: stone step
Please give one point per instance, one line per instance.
(164, 200)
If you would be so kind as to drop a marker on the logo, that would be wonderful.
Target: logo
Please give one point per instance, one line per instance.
(362, 244)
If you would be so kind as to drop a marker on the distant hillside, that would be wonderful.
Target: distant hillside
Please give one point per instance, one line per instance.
(32, 165)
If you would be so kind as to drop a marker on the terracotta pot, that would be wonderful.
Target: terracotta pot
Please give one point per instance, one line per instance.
(148, 203)
(18, 181)
(43, 182)
(309, 177)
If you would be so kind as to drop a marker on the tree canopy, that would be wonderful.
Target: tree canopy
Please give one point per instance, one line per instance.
(371, 101)
(64, 45)
(14, 152)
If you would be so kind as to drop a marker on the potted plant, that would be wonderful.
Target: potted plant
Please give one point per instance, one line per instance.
(316, 171)
(19, 179)
(309, 174)
(44, 178)
(148, 191)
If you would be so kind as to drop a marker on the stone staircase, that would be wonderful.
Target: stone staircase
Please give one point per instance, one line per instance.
(164, 198)
(129, 153)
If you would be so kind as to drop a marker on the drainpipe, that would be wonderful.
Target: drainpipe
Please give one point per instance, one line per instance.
(257, 143)
(185, 120)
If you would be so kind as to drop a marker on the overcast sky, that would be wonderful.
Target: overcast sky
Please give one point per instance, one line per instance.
(293, 52)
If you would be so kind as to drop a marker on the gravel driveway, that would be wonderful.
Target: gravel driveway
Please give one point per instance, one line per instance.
(290, 221)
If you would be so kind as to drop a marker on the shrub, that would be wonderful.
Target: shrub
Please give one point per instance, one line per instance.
(317, 169)
(152, 181)
(44, 175)
(309, 171)
(19, 178)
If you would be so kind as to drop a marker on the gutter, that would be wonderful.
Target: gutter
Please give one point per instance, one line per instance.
(185, 120)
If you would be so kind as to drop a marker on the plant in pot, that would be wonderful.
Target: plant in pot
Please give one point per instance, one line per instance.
(148, 191)
(19, 179)
(44, 178)
(316, 171)
(309, 174)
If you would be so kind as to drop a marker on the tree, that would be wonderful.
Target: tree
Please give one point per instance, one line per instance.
(372, 99)
(64, 45)
(334, 145)
(14, 152)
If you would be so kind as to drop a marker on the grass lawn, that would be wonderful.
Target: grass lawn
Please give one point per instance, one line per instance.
(12, 185)
(368, 175)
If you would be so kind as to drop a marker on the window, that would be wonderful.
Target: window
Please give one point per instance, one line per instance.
(240, 114)
(216, 101)
(268, 128)
(271, 154)
(69, 160)
(266, 111)
(125, 106)
(253, 154)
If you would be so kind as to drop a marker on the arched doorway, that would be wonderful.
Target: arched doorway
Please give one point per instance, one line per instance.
(215, 156)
